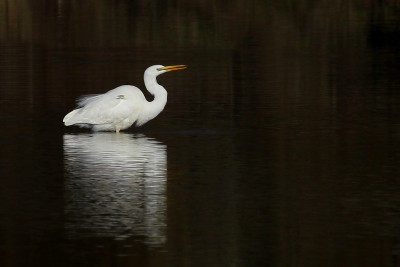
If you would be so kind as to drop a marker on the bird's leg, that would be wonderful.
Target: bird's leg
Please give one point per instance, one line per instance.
(117, 129)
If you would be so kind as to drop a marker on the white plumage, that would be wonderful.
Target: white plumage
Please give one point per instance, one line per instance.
(120, 108)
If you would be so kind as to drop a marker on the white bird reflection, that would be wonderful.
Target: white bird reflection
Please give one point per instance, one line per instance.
(115, 186)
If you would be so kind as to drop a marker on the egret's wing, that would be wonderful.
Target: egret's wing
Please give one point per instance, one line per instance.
(100, 109)
(86, 99)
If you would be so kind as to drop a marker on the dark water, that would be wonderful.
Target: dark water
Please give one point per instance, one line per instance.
(279, 145)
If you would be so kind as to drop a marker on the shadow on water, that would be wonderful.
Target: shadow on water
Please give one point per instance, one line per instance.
(115, 186)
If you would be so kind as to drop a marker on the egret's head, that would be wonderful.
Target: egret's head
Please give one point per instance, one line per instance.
(160, 69)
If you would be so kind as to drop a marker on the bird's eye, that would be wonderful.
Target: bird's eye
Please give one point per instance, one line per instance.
(159, 69)
(120, 97)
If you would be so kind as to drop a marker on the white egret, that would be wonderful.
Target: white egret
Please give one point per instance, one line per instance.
(120, 108)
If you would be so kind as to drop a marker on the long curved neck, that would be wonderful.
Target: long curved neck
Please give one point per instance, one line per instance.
(153, 108)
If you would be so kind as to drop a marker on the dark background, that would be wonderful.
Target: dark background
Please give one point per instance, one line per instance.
(279, 145)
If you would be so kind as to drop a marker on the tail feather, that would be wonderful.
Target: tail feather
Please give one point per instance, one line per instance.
(70, 119)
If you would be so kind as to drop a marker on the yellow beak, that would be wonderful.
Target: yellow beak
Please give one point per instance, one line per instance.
(174, 67)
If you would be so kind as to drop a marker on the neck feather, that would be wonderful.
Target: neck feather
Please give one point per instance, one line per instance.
(153, 108)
